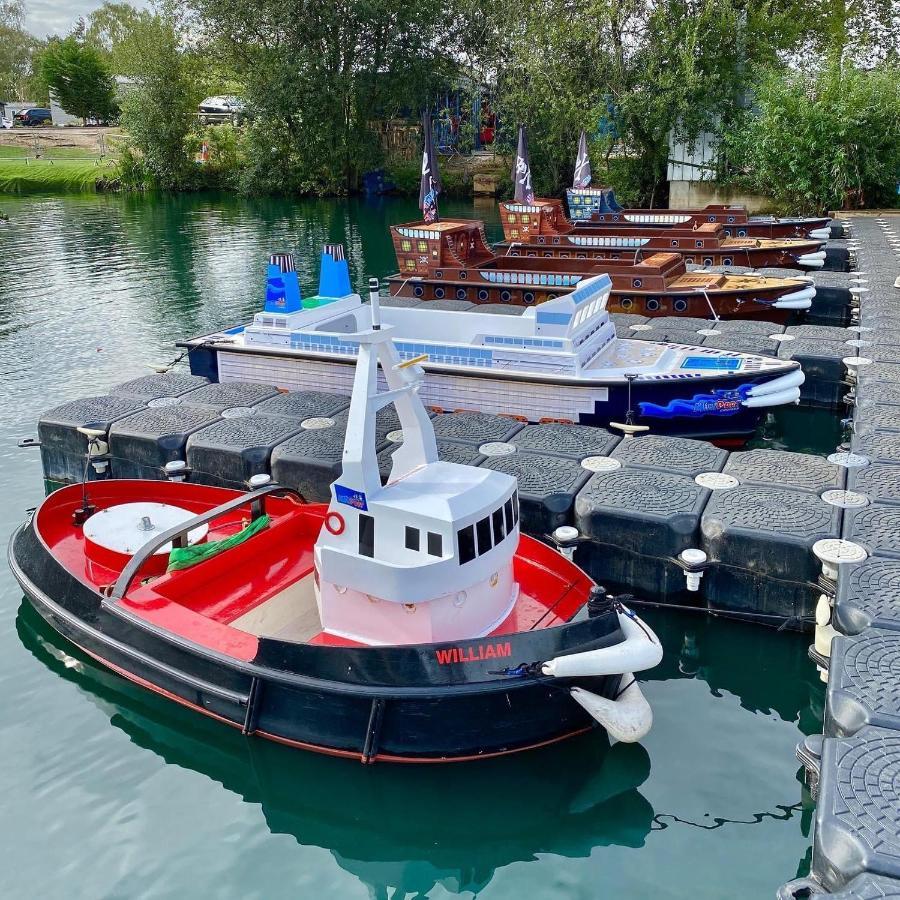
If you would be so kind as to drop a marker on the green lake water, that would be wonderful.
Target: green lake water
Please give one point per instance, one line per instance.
(108, 791)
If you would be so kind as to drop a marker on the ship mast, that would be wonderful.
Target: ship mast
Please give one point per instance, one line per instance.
(360, 463)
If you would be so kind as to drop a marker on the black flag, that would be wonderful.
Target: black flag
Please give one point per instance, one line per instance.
(430, 186)
(521, 174)
(582, 178)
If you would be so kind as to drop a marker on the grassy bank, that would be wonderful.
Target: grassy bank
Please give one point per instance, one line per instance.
(59, 175)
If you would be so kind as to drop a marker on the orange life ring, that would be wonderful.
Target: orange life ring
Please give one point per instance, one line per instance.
(334, 522)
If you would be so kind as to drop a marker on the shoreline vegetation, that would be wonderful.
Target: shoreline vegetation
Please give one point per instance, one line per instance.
(799, 104)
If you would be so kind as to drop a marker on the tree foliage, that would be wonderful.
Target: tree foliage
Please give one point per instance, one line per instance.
(17, 50)
(158, 111)
(820, 140)
(641, 68)
(113, 30)
(318, 72)
(78, 77)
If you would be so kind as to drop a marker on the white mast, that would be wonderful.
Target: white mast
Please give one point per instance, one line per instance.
(360, 463)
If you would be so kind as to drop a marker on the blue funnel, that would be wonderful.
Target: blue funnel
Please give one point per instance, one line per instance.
(334, 276)
(282, 287)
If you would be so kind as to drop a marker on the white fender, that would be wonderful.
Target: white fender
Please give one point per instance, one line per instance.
(820, 234)
(813, 260)
(779, 398)
(777, 385)
(628, 718)
(801, 299)
(640, 650)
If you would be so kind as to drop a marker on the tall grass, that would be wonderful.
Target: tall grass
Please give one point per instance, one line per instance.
(59, 176)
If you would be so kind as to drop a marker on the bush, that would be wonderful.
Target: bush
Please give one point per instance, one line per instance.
(817, 141)
(131, 171)
(227, 155)
(406, 176)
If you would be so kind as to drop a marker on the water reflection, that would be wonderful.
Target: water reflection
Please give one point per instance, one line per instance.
(399, 829)
(402, 830)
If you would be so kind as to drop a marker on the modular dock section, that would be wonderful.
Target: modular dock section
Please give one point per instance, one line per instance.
(853, 767)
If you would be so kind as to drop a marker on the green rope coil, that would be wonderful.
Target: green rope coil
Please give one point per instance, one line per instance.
(185, 557)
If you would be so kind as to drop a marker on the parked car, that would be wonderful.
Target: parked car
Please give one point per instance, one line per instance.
(221, 109)
(34, 116)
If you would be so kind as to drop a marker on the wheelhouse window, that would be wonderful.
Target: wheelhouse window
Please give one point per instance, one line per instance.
(483, 531)
(465, 544)
(435, 544)
(412, 538)
(515, 500)
(508, 515)
(499, 531)
(366, 536)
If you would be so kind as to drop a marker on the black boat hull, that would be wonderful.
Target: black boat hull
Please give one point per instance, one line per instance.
(465, 713)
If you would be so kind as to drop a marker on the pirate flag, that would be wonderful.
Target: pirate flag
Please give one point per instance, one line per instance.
(582, 178)
(521, 174)
(430, 186)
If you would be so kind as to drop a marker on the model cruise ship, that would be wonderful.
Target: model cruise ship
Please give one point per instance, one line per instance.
(559, 361)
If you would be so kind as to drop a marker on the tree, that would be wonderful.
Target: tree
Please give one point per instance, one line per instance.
(17, 49)
(827, 139)
(79, 79)
(642, 68)
(158, 112)
(111, 30)
(318, 73)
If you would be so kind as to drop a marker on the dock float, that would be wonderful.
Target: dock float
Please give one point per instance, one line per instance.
(853, 767)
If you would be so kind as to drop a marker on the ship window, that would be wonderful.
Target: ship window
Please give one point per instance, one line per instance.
(512, 218)
(508, 515)
(366, 536)
(412, 538)
(465, 544)
(406, 245)
(483, 530)
(410, 263)
(423, 246)
(515, 500)
(435, 544)
(499, 532)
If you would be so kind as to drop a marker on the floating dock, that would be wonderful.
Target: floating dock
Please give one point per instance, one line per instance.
(853, 767)
(744, 521)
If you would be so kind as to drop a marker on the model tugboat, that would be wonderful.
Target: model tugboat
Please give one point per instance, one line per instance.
(560, 361)
(408, 622)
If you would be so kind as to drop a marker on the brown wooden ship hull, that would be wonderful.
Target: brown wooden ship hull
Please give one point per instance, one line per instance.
(727, 304)
(541, 229)
(738, 254)
(586, 207)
